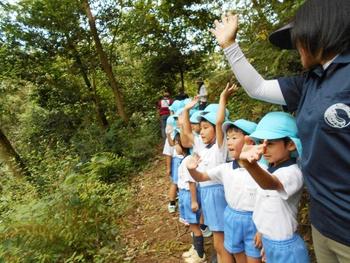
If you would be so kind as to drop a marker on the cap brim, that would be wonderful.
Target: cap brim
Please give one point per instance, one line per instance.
(282, 37)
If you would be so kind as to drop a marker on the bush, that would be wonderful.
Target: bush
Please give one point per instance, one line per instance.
(107, 167)
(76, 223)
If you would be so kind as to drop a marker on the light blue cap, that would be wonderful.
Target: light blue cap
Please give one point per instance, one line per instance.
(278, 125)
(210, 112)
(247, 127)
(194, 117)
(215, 107)
(208, 116)
(212, 107)
(186, 101)
(177, 113)
(176, 105)
(171, 121)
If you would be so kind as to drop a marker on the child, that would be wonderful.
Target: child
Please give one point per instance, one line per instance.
(212, 192)
(189, 125)
(240, 190)
(275, 212)
(189, 206)
(169, 151)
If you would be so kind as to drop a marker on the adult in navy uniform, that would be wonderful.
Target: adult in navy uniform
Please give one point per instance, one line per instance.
(320, 97)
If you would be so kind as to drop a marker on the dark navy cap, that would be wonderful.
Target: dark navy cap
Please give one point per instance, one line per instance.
(282, 37)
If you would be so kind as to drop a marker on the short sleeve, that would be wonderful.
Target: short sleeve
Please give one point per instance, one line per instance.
(292, 180)
(167, 149)
(184, 173)
(291, 88)
(216, 173)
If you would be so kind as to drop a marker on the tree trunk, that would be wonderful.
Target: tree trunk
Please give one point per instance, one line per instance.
(106, 66)
(11, 158)
(101, 117)
(182, 90)
(100, 113)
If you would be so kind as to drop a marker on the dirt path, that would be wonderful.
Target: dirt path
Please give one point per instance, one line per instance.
(148, 231)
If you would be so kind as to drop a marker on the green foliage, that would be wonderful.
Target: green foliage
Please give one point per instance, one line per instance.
(76, 223)
(136, 142)
(108, 167)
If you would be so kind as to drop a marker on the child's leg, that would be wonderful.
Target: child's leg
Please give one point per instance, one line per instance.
(172, 198)
(223, 255)
(172, 192)
(240, 257)
(243, 258)
(198, 241)
(253, 260)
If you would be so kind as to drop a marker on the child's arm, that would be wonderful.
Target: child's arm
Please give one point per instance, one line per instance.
(192, 164)
(168, 164)
(225, 94)
(186, 135)
(193, 191)
(249, 156)
(168, 131)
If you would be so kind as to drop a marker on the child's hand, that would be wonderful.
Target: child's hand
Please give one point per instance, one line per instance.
(194, 206)
(228, 91)
(192, 103)
(192, 162)
(257, 240)
(252, 153)
(225, 31)
(169, 129)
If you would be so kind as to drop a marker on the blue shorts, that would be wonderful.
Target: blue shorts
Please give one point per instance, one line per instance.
(292, 250)
(185, 209)
(175, 163)
(213, 206)
(240, 231)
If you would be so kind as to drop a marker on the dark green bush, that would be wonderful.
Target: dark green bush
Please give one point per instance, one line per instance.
(77, 223)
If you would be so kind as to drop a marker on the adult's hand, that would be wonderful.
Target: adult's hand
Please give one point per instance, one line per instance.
(226, 30)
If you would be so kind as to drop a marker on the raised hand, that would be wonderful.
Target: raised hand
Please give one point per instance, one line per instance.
(192, 103)
(225, 31)
(192, 162)
(228, 91)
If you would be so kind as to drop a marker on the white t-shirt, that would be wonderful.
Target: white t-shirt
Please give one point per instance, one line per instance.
(240, 188)
(184, 176)
(211, 157)
(275, 212)
(167, 149)
(198, 144)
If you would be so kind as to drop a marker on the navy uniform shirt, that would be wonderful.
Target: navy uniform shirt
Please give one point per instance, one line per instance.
(321, 100)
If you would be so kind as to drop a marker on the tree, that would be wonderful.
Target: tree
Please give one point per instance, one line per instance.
(172, 37)
(106, 66)
(11, 158)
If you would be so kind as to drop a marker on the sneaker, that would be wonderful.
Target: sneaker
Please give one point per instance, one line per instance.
(189, 253)
(171, 208)
(195, 258)
(206, 232)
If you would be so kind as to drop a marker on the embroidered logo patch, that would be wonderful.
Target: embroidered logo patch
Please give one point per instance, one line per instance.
(337, 115)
